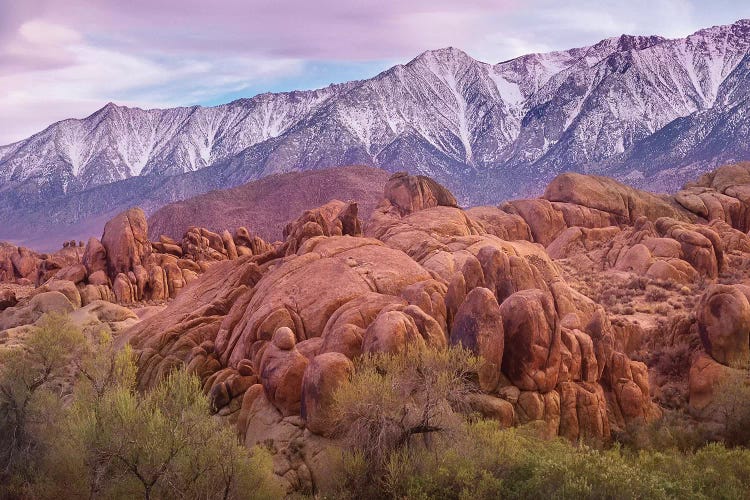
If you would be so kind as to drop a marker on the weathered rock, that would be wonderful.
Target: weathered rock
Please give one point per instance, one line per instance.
(323, 376)
(478, 326)
(75, 273)
(531, 358)
(501, 224)
(124, 289)
(281, 371)
(391, 332)
(125, 240)
(609, 196)
(545, 222)
(7, 299)
(493, 408)
(94, 256)
(410, 193)
(723, 316)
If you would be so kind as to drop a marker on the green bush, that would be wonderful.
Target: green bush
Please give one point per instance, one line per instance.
(117, 443)
(100, 438)
(488, 462)
(32, 382)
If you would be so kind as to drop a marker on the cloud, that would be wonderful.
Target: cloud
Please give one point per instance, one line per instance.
(67, 58)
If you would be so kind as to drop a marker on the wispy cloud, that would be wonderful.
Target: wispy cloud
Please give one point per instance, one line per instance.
(67, 58)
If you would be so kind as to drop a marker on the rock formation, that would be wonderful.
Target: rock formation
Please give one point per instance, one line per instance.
(591, 308)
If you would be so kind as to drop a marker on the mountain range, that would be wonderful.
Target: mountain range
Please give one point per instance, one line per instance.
(647, 110)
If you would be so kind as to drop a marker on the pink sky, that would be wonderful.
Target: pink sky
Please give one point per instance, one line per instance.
(66, 58)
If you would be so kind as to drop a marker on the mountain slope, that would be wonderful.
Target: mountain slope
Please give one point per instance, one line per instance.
(266, 205)
(639, 108)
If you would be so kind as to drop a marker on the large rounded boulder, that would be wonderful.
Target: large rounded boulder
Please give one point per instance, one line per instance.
(723, 316)
(531, 358)
(478, 326)
(126, 242)
(323, 376)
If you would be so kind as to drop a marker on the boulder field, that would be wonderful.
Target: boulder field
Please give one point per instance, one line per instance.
(573, 301)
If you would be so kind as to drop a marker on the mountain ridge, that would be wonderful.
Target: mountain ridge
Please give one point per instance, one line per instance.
(488, 131)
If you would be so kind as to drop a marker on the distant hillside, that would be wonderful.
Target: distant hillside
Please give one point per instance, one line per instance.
(266, 205)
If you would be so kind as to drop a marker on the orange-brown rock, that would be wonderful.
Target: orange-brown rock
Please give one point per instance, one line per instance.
(281, 371)
(478, 326)
(391, 332)
(583, 412)
(502, 224)
(94, 256)
(705, 375)
(323, 376)
(125, 240)
(411, 193)
(545, 222)
(75, 273)
(723, 315)
(607, 195)
(531, 358)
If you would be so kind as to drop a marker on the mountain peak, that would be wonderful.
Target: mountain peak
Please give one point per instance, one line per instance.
(443, 54)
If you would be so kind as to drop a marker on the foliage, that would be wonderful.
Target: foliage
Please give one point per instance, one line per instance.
(394, 398)
(161, 445)
(732, 400)
(109, 441)
(31, 385)
(487, 462)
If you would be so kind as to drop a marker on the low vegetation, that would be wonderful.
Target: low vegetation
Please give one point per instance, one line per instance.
(410, 436)
(73, 426)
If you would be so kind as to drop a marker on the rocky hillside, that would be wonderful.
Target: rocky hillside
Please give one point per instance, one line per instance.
(265, 206)
(595, 308)
(642, 109)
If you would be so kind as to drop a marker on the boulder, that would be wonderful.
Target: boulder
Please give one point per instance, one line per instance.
(411, 193)
(323, 376)
(392, 332)
(531, 358)
(723, 316)
(282, 369)
(125, 240)
(478, 326)
(75, 273)
(94, 256)
(545, 221)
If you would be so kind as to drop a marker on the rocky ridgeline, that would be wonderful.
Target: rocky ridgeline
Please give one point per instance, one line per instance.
(124, 266)
(271, 330)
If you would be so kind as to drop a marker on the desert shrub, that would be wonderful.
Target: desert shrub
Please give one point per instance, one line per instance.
(663, 309)
(487, 462)
(32, 381)
(675, 431)
(395, 401)
(732, 400)
(672, 360)
(655, 294)
(115, 442)
(73, 426)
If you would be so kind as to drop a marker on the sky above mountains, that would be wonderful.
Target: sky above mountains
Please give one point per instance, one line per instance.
(61, 59)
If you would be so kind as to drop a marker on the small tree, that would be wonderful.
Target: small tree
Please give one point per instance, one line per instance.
(115, 442)
(394, 398)
(32, 380)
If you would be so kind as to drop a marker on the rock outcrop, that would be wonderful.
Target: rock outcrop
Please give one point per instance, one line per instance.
(421, 272)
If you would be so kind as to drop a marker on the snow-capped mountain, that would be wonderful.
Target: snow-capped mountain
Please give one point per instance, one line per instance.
(638, 108)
